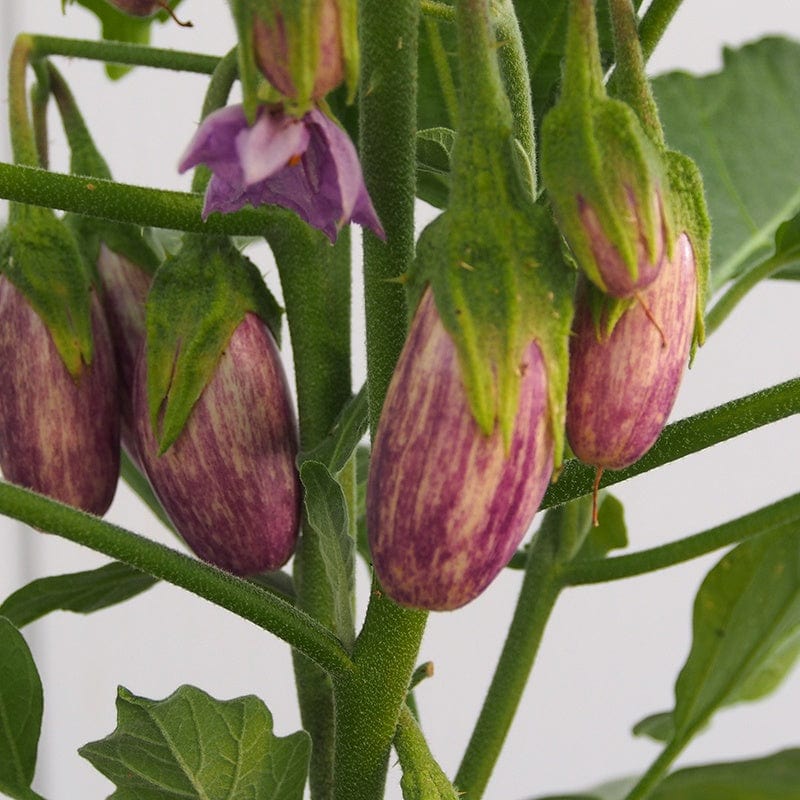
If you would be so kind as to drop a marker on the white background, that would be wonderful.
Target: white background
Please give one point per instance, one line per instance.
(610, 654)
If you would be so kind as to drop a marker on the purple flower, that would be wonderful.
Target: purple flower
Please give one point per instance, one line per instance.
(308, 165)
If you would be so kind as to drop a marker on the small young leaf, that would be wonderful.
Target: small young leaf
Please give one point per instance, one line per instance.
(326, 513)
(434, 146)
(190, 745)
(20, 713)
(349, 429)
(82, 592)
(610, 533)
(659, 727)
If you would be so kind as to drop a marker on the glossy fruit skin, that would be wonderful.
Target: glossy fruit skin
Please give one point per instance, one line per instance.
(447, 505)
(58, 435)
(229, 482)
(125, 286)
(622, 388)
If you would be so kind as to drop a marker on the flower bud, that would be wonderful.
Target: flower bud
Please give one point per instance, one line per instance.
(447, 505)
(125, 286)
(273, 41)
(622, 388)
(229, 482)
(59, 433)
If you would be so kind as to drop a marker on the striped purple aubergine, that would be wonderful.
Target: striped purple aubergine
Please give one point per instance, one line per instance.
(125, 286)
(622, 388)
(447, 505)
(229, 482)
(59, 435)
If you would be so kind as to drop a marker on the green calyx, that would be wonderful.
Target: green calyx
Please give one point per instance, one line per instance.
(691, 215)
(493, 258)
(39, 255)
(300, 32)
(196, 302)
(596, 159)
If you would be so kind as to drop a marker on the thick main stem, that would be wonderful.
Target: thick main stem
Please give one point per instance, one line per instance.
(367, 702)
(315, 278)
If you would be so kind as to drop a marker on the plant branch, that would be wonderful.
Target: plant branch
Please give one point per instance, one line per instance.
(685, 437)
(655, 23)
(764, 520)
(237, 595)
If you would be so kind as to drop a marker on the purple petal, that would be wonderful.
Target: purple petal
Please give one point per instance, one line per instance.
(274, 141)
(214, 142)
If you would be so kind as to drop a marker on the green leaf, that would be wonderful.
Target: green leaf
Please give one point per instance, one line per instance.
(611, 533)
(82, 592)
(121, 27)
(740, 126)
(434, 146)
(787, 248)
(20, 713)
(746, 631)
(659, 727)
(190, 745)
(326, 514)
(349, 429)
(775, 777)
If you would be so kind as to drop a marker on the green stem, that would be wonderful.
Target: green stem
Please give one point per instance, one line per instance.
(121, 202)
(315, 278)
(657, 771)
(23, 143)
(583, 76)
(513, 64)
(764, 520)
(737, 291)
(655, 22)
(540, 589)
(630, 80)
(122, 53)
(40, 99)
(685, 437)
(443, 72)
(237, 595)
(437, 10)
(368, 701)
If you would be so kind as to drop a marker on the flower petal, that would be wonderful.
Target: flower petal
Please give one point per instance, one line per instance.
(273, 142)
(214, 142)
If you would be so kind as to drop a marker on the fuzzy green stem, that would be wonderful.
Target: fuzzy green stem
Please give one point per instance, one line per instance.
(237, 595)
(655, 22)
(540, 589)
(513, 64)
(40, 99)
(23, 143)
(583, 74)
(630, 80)
(769, 518)
(121, 202)
(685, 437)
(437, 10)
(443, 72)
(742, 284)
(368, 701)
(315, 278)
(122, 53)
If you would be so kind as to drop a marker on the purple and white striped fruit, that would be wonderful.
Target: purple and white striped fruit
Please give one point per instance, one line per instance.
(229, 482)
(125, 286)
(59, 434)
(622, 388)
(448, 505)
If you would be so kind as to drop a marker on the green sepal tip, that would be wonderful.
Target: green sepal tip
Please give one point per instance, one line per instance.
(196, 302)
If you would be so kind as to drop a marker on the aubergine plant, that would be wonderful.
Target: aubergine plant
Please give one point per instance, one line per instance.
(523, 354)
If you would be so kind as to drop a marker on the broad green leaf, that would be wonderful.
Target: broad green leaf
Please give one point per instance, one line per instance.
(20, 713)
(746, 630)
(740, 126)
(121, 27)
(787, 248)
(190, 745)
(82, 592)
(348, 430)
(611, 533)
(775, 777)
(326, 514)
